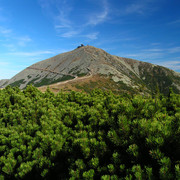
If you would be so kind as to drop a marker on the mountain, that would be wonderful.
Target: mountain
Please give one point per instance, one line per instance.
(88, 67)
(3, 82)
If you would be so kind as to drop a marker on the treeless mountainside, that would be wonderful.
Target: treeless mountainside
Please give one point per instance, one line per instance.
(3, 82)
(127, 74)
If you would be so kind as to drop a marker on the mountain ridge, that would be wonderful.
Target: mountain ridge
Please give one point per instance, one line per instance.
(88, 60)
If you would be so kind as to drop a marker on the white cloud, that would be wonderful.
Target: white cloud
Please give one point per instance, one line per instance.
(4, 63)
(154, 50)
(145, 55)
(172, 62)
(10, 47)
(156, 58)
(175, 22)
(22, 41)
(99, 17)
(155, 44)
(135, 8)
(7, 69)
(92, 36)
(156, 55)
(36, 53)
(174, 49)
(5, 31)
(62, 26)
(165, 50)
(138, 7)
(12, 43)
(61, 13)
(11, 40)
(7, 73)
(69, 34)
(62, 19)
(175, 65)
(62, 23)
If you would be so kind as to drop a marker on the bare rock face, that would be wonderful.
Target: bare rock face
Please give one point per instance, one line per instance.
(87, 60)
(3, 82)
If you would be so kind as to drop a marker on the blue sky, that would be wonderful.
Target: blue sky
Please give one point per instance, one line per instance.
(33, 30)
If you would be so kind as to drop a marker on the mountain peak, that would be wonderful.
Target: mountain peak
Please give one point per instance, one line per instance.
(89, 49)
(89, 61)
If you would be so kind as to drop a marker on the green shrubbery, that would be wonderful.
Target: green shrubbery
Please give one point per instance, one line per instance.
(88, 136)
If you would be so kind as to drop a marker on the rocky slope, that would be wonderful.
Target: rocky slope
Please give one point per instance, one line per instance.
(3, 82)
(123, 73)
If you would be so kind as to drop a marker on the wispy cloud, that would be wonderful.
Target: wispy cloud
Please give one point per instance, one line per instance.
(10, 47)
(100, 17)
(159, 56)
(154, 53)
(92, 36)
(7, 69)
(22, 41)
(4, 63)
(135, 8)
(5, 31)
(62, 19)
(174, 49)
(156, 58)
(65, 26)
(38, 53)
(10, 37)
(11, 40)
(77, 33)
(154, 50)
(69, 34)
(175, 22)
(116, 39)
(138, 7)
(7, 73)
(145, 55)
(165, 50)
(16, 42)
(155, 44)
(60, 11)
(35, 53)
(175, 65)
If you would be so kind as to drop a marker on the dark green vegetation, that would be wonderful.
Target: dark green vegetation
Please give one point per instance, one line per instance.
(17, 83)
(161, 77)
(46, 81)
(81, 74)
(88, 136)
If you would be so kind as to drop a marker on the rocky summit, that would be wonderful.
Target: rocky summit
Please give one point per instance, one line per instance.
(88, 67)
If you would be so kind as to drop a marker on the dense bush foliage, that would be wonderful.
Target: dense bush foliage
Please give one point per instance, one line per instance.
(88, 136)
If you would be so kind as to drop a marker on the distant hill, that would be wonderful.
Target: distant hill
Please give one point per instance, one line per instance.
(88, 67)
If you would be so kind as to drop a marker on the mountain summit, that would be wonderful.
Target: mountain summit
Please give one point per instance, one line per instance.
(124, 73)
